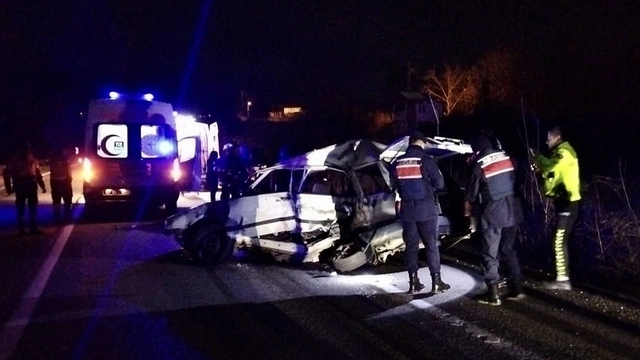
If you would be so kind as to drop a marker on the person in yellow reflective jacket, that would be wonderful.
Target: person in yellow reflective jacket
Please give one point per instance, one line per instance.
(561, 181)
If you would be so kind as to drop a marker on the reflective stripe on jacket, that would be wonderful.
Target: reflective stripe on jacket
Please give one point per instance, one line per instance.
(499, 173)
(416, 177)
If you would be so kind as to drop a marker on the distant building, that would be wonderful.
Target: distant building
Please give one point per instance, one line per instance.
(286, 114)
(413, 109)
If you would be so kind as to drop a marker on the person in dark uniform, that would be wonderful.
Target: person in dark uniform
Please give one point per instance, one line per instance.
(23, 177)
(60, 182)
(232, 172)
(212, 173)
(491, 196)
(416, 177)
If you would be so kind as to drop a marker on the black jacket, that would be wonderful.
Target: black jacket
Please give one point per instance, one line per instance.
(491, 190)
(416, 177)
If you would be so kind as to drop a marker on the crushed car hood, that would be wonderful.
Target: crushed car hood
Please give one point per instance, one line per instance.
(348, 155)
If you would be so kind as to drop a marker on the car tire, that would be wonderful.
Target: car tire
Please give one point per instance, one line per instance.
(352, 261)
(211, 245)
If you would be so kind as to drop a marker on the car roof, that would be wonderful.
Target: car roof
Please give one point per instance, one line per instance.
(439, 147)
(359, 153)
(350, 154)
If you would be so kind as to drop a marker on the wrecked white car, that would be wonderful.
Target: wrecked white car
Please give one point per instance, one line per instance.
(333, 204)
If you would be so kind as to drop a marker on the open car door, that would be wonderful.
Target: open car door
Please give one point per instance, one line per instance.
(452, 223)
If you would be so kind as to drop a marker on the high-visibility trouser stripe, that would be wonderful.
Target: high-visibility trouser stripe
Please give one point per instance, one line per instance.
(559, 250)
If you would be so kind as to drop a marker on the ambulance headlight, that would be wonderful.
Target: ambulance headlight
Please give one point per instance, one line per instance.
(147, 97)
(113, 95)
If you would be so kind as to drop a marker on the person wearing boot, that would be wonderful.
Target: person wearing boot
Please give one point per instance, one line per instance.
(491, 196)
(416, 178)
(561, 182)
(60, 183)
(24, 177)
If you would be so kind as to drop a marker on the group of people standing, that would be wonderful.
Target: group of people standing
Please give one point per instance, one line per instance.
(491, 199)
(230, 171)
(23, 176)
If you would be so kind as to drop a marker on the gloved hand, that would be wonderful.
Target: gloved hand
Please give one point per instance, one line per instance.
(533, 152)
(44, 190)
(473, 224)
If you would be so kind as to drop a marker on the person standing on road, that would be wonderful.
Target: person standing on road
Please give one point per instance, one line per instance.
(212, 174)
(60, 182)
(416, 177)
(490, 195)
(232, 172)
(561, 182)
(23, 177)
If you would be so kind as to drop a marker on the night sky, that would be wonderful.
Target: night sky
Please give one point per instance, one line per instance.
(580, 57)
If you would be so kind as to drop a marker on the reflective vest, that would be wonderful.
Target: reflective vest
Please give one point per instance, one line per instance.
(498, 171)
(560, 172)
(413, 181)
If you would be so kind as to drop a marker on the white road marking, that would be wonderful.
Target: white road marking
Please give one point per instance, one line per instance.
(473, 330)
(43, 175)
(12, 330)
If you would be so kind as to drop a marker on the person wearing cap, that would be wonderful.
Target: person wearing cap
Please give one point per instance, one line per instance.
(561, 182)
(60, 183)
(490, 195)
(416, 178)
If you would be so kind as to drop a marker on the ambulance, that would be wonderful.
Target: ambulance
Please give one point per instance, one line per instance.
(131, 153)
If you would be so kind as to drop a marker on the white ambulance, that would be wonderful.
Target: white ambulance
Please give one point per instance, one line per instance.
(131, 152)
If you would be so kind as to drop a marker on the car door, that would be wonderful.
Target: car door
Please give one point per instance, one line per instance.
(266, 207)
(446, 152)
(325, 196)
(378, 199)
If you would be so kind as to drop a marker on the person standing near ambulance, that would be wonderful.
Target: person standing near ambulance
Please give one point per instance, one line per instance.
(60, 182)
(23, 177)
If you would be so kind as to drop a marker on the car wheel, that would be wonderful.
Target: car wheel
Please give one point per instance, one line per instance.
(351, 257)
(211, 245)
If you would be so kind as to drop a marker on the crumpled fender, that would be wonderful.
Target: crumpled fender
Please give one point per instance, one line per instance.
(178, 223)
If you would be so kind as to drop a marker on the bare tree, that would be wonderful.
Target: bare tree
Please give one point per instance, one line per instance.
(457, 88)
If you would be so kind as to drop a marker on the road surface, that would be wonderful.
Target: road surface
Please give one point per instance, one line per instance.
(112, 286)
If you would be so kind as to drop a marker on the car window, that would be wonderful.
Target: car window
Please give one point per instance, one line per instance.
(186, 149)
(275, 181)
(155, 142)
(327, 182)
(296, 179)
(371, 180)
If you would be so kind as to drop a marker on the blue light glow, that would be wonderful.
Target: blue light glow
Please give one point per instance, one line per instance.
(147, 97)
(114, 95)
(165, 147)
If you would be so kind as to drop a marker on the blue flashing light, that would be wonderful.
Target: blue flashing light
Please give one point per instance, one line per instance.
(148, 97)
(113, 95)
(164, 147)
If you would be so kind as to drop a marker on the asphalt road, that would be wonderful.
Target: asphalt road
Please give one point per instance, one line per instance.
(112, 286)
